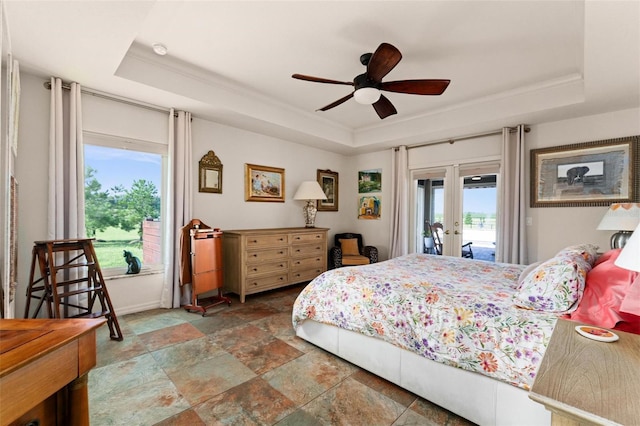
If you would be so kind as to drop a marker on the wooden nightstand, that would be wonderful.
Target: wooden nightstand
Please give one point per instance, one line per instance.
(583, 381)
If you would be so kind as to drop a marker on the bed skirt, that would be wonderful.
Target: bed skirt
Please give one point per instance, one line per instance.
(475, 397)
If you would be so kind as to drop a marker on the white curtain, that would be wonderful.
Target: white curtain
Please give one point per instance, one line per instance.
(65, 218)
(511, 235)
(179, 201)
(399, 203)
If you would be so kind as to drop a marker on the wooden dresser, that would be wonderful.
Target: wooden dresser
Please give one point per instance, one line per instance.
(584, 382)
(43, 370)
(256, 260)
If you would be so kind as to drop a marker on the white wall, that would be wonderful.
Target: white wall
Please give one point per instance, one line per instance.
(556, 227)
(552, 229)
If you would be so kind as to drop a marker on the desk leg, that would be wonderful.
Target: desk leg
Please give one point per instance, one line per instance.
(79, 401)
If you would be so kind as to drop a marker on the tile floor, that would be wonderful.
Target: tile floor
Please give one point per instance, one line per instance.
(240, 365)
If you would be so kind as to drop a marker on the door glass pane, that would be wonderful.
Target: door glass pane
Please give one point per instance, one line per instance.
(479, 201)
(430, 211)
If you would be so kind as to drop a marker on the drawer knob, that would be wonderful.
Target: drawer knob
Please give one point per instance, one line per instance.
(255, 255)
(254, 241)
(255, 283)
(255, 269)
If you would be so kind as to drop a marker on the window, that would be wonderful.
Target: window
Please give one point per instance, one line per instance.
(123, 201)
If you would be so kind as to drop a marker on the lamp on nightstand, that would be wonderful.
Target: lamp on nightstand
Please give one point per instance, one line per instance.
(629, 257)
(621, 217)
(311, 192)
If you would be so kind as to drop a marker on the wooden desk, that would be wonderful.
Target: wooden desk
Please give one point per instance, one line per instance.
(583, 381)
(43, 370)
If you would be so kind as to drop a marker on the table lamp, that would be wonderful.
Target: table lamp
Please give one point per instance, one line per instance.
(621, 217)
(629, 257)
(311, 192)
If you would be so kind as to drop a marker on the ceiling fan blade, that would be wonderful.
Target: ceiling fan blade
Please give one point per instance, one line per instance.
(383, 60)
(384, 107)
(336, 103)
(416, 87)
(321, 80)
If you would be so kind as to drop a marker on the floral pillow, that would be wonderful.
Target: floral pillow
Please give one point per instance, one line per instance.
(588, 251)
(555, 285)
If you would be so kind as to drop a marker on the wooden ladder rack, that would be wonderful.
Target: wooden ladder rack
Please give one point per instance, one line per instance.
(69, 269)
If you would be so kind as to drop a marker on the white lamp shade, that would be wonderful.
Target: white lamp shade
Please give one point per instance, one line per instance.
(310, 190)
(629, 257)
(366, 95)
(621, 217)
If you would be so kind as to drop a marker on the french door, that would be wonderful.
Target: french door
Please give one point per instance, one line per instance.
(463, 198)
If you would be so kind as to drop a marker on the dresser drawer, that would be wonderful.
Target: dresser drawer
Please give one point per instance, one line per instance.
(258, 284)
(259, 256)
(267, 268)
(306, 274)
(308, 250)
(307, 237)
(267, 241)
(307, 263)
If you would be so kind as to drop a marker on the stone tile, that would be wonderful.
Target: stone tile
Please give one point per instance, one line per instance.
(136, 391)
(278, 325)
(111, 351)
(168, 336)
(352, 403)
(252, 311)
(186, 354)
(411, 418)
(163, 318)
(215, 323)
(251, 403)
(198, 382)
(309, 376)
(257, 349)
(385, 387)
(186, 418)
(437, 414)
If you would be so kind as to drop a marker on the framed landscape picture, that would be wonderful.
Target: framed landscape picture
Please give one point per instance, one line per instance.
(328, 181)
(594, 173)
(263, 183)
(369, 181)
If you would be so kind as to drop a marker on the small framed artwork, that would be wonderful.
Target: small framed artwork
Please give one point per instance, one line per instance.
(369, 207)
(210, 174)
(369, 181)
(328, 181)
(263, 183)
(594, 173)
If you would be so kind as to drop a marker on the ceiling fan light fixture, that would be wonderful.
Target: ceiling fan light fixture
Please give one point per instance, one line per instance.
(367, 95)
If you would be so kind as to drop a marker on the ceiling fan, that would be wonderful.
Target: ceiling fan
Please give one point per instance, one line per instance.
(367, 86)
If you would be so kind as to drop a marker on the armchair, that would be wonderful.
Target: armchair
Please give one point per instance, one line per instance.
(349, 250)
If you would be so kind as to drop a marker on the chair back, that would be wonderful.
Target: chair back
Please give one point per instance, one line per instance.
(437, 230)
(347, 235)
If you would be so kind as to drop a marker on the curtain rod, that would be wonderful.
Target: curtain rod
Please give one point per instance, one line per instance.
(47, 85)
(462, 138)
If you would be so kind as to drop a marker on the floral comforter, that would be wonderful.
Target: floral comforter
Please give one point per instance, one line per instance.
(455, 311)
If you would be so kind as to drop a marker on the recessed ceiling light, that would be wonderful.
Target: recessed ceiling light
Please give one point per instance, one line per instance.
(159, 48)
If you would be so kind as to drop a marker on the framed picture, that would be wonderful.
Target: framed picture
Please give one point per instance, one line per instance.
(328, 181)
(369, 207)
(210, 174)
(594, 173)
(263, 183)
(370, 181)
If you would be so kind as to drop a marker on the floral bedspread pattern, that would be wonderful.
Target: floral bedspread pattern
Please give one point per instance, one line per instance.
(459, 312)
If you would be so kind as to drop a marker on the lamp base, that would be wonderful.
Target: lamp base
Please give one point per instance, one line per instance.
(619, 239)
(310, 211)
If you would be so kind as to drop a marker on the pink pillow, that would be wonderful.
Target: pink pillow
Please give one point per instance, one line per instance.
(607, 287)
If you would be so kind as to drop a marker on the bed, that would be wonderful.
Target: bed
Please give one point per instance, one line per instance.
(464, 334)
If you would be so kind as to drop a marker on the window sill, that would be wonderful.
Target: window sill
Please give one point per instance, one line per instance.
(118, 275)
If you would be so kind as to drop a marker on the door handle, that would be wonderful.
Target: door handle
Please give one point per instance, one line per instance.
(456, 232)
(447, 232)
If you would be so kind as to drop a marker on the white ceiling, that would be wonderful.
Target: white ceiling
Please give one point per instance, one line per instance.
(231, 61)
